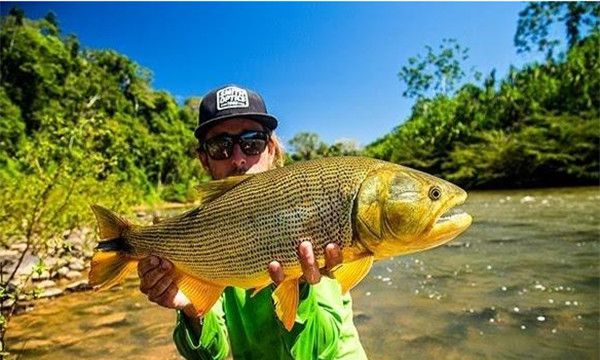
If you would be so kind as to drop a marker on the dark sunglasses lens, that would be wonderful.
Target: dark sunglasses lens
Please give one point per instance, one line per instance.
(219, 148)
(253, 143)
(253, 147)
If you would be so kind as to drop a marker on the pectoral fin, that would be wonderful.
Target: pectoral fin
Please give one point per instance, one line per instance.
(286, 302)
(350, 274)
(202, 294)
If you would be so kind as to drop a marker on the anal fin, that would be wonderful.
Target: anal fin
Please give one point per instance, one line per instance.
(202, 294)
(286, 302)
(351, 273)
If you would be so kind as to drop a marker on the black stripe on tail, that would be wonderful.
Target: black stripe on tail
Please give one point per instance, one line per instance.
(117, 244)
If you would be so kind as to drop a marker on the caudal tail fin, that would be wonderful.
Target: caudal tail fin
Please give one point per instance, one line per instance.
(111, 261)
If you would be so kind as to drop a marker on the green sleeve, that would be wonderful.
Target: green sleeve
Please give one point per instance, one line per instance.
(322, 312)
(211, 345)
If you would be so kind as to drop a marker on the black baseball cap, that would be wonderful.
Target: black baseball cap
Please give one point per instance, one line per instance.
(232, 101)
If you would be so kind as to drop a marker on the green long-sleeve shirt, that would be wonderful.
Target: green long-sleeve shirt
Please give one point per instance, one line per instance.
(323, 328)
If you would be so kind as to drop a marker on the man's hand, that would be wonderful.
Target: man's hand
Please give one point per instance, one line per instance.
(156, 281)
(310, 268)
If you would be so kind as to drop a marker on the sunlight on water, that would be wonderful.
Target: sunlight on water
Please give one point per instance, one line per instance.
(522, 282)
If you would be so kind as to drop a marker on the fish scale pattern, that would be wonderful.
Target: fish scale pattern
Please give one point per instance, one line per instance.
(263, 218)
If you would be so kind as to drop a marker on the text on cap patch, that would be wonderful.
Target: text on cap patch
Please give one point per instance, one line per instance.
(232, 97)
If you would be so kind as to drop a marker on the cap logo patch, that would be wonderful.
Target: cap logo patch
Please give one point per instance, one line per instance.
(232, 97)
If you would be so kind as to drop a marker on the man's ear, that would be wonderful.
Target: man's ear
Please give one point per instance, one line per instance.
(203, 159)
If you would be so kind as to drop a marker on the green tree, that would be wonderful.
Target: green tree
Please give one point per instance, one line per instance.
(307, 146)
(344, 147)
(535, 23)
(79, 127)
(46, 190)
(538, 126)
(52, 23)
(435, 72)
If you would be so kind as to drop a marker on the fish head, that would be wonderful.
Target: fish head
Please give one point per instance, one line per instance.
(401, 210)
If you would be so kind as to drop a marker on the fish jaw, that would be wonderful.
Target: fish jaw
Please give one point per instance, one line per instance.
(448, 224)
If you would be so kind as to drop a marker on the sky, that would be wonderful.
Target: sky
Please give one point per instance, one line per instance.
(328, 68)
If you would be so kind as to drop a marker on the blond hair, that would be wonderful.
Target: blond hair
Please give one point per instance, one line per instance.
(279, 155)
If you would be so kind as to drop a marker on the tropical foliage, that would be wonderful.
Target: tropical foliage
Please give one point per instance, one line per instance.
(539, 126)
(307, 146)
(89, 115)
(79, 127)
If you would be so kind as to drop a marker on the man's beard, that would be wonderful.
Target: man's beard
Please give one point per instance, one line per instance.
(237, 172)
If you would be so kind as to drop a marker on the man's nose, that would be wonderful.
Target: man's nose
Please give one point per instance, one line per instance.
(238, 158)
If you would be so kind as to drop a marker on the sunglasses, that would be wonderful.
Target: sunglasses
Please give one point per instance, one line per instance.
(251, 143)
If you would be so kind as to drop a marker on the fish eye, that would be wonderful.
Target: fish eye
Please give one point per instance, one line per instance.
(435, 193)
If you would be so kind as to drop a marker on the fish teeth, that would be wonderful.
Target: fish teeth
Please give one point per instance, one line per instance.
(448, 215)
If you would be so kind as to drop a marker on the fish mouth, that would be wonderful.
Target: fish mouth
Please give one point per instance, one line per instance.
(450, 223)
(453, 214)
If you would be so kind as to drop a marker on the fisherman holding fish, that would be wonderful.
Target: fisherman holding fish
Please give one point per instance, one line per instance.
(235, 134)
(243, 268)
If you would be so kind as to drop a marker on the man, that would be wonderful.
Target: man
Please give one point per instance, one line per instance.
(235, 136)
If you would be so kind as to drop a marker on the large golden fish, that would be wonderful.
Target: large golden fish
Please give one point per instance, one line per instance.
(372, 209)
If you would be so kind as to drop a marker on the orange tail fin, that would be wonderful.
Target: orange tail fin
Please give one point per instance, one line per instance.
(111, 262)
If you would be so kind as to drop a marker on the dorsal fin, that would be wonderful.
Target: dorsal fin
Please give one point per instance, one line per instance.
(213, 189)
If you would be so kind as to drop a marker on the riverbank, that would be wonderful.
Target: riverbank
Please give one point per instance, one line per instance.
(62, 268)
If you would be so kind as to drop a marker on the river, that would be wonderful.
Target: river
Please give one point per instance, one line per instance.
(522, 282)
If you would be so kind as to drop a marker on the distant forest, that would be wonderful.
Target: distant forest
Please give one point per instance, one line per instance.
(79, 123)
(538, 126)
